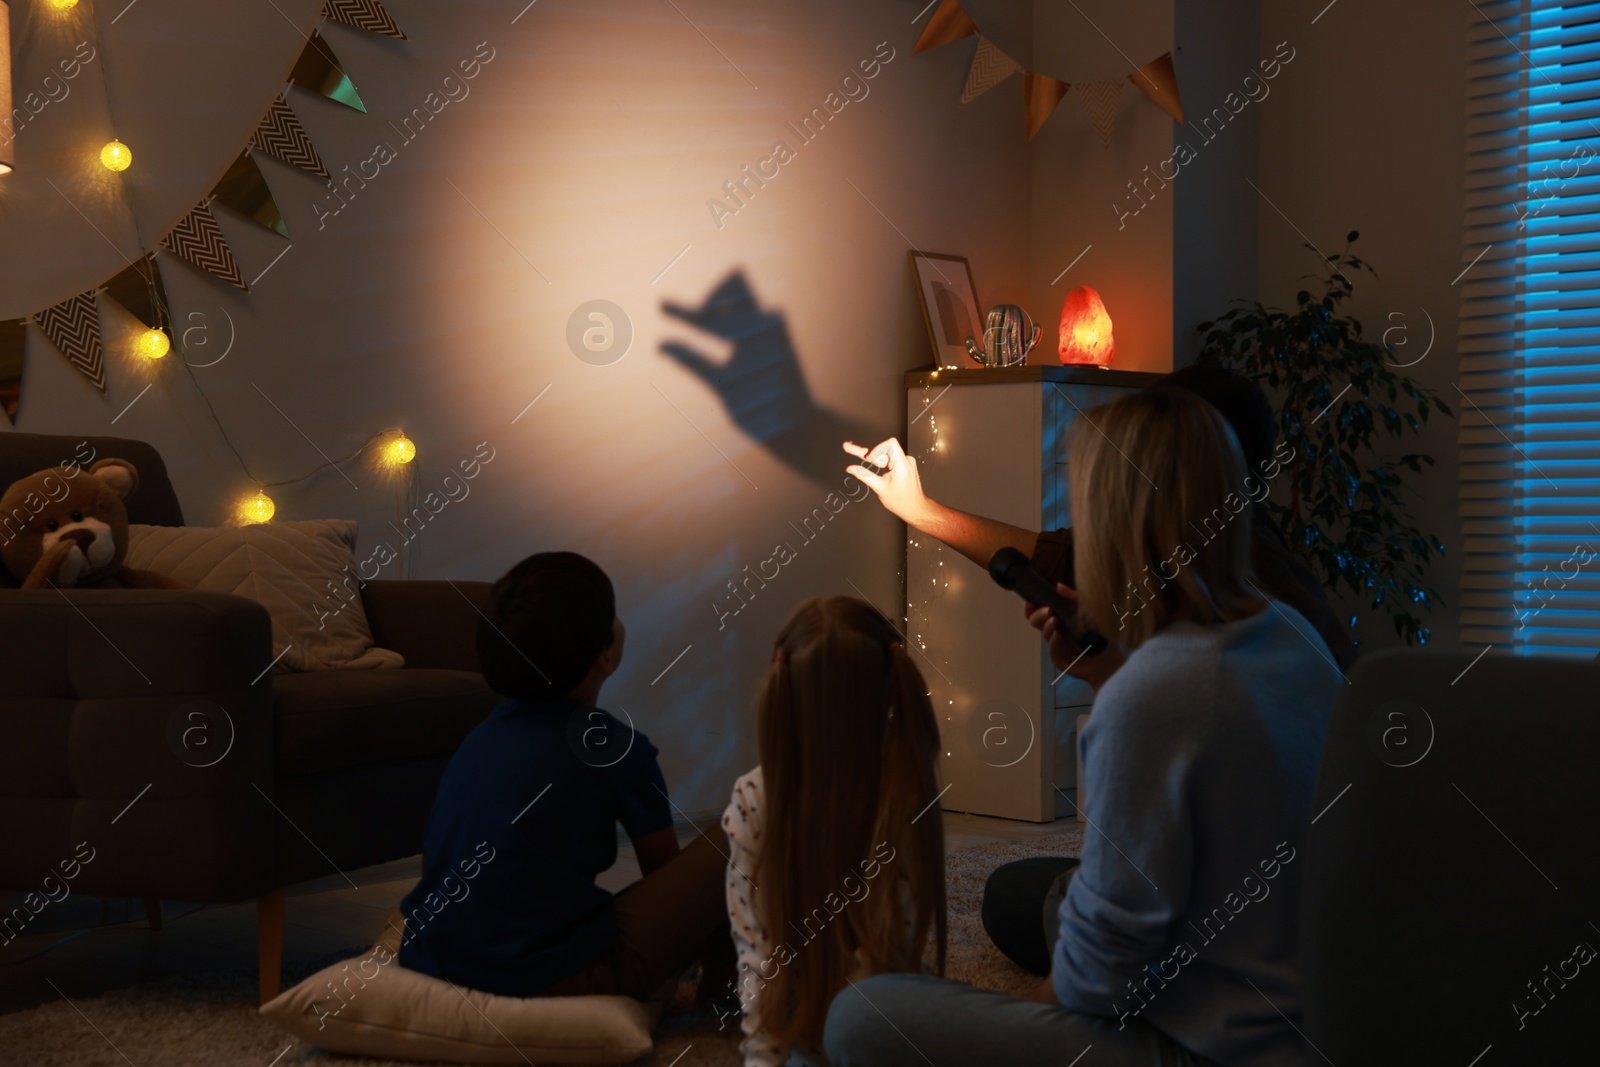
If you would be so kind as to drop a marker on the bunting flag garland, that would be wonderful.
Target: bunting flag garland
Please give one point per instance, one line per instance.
(990, 67)
(245, 190)
(363, 15)
(1100, 101)
(139, 288)
(1040, 95)
(73, 326)
(1159, 81)
(281, 136)
(13, 339)
(949, 23)
(198, 239)
(319, 70)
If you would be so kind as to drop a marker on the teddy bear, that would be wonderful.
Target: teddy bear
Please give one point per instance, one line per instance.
(67, 527)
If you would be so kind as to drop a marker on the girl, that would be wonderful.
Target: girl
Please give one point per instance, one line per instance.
(836, 862)
(1177, 939)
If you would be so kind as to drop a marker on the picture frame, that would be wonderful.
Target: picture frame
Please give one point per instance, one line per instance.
(950, 307)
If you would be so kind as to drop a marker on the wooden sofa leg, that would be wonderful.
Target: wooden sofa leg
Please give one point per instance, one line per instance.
(152, 912)
(269, 942)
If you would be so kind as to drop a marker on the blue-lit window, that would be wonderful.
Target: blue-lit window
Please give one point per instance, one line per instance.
(1530, 329)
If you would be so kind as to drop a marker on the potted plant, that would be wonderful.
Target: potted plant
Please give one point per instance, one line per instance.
(1339, 399)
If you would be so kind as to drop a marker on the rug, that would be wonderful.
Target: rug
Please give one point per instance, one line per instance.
(211, 1019)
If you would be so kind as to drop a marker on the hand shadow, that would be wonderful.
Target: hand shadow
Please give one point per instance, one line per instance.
(763, 386)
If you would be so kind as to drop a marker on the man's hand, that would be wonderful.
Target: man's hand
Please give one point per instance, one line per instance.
(1063, 645)
(899, 487)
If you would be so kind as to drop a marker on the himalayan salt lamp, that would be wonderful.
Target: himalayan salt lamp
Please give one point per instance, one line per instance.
(1086, 329)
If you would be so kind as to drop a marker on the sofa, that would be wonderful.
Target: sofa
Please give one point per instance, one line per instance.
(1452, 872)
(323, 772)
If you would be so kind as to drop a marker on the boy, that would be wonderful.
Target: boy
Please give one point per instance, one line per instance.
(526, 814)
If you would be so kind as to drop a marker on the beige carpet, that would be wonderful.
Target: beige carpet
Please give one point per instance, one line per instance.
(211, 1020)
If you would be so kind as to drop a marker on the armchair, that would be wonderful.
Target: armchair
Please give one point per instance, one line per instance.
(291, 777)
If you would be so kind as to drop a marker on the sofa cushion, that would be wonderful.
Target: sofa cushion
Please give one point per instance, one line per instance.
(332, 720)
(303, 573)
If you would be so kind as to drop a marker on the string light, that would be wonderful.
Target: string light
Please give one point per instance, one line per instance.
(399, 451)
(152, 344)
(115, 156)
(256, 509)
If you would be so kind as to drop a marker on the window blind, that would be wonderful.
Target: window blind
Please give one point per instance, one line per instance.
(1530, 329)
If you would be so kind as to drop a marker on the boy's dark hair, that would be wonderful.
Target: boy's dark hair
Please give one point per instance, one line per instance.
(1240, 401)
(545, 622)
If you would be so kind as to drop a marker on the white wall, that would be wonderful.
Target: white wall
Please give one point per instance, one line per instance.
(1365, 132)
(592, 142)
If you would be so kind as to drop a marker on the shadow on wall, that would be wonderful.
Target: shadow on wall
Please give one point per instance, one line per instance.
(762, 385)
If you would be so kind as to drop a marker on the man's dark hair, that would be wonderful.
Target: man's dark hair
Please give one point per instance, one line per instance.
(1240, 401)
(545, 622)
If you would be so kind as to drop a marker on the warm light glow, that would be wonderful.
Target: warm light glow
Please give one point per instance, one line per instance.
(399, 451)
(115, 156)
(63, 5)
(5, 87)
(256, 509)
(152, 345)
(1086, 329)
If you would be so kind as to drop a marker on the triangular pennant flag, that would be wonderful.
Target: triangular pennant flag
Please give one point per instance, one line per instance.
(139, 288)
(281, 136)
(1040, 95)
(319, 70)
(1159, 81)
(13, 339)
(949, 23)
(198, 238)
(1100, 101)
(990, 67)
(363, 15)
(245, 190)
(73, 326)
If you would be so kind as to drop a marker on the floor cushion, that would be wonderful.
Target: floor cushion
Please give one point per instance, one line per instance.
(371, 1006)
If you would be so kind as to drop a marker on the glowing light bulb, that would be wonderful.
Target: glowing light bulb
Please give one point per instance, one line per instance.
(256, 509)
(152, 344)
(115, 156)
(63, 5)
(399, 451)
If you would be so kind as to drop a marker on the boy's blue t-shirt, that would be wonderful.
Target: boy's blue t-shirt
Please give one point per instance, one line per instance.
(524, 820)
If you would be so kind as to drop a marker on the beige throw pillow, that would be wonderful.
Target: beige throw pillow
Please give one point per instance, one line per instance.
(371, 1006)
(303, 573)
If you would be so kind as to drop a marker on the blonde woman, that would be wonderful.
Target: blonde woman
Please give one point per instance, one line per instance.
(1178, 934)
(836, 863)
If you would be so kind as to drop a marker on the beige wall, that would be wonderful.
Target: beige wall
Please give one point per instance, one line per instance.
(592, 142)
(1365, 132)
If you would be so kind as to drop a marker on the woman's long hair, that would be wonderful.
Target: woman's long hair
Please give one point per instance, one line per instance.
(1160, 503)
(849, 747)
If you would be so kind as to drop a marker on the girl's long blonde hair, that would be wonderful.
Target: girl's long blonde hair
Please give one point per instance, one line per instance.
(849, 747)
(1161, 517)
